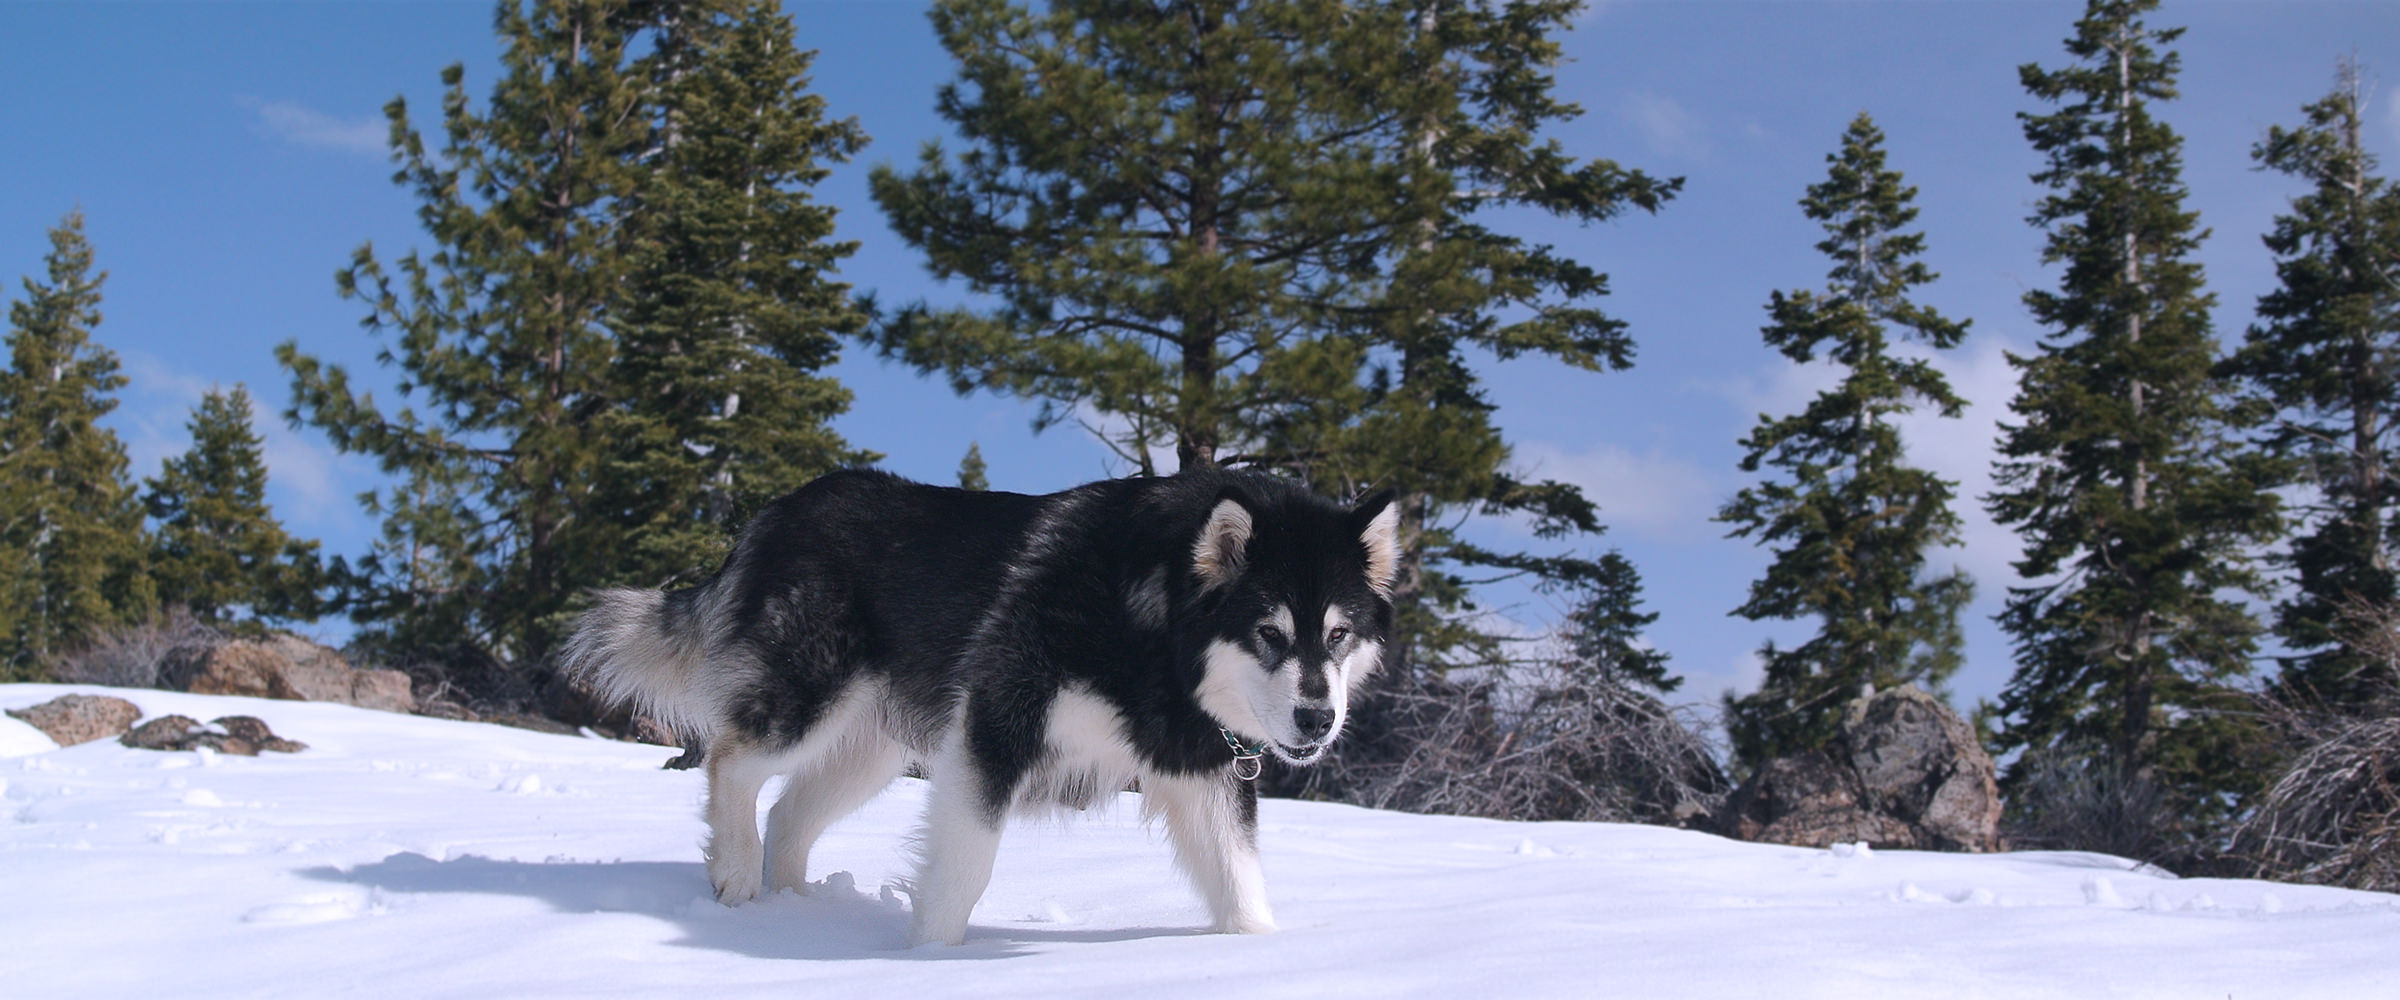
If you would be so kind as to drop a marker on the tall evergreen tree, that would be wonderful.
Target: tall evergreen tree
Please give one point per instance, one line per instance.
(2326, 357)
(615, 341)
(217, 545)
(731, 311)
(1854, 523)
(1457, 286)
(1166, 199)
(68, 514)
(1255, 232)
(500, 331)
(2137, 520)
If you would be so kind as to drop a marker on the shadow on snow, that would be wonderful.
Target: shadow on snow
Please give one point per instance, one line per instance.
(834, 921)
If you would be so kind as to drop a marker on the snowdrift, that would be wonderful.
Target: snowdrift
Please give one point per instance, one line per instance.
(416, 857)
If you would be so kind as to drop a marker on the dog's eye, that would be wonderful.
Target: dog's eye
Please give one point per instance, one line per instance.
(1271, 635)
(1335, 636)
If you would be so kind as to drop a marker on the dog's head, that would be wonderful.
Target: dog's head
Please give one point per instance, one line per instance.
(1300, 613)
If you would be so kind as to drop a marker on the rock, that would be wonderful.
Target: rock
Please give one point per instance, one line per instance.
(1905, 771)
(1810, 800)
(447, 710)
(285, 667)
(253, 731)
(242, 735)
(167, 732)
(80, 718)
(1918, 761)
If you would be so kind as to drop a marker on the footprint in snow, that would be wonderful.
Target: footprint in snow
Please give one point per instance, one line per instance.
(2099, 891)
(317, 909)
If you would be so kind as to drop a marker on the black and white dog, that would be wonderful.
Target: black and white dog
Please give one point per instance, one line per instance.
(1029, 652)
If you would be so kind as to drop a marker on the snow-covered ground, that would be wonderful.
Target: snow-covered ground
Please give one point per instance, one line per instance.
(413, 857)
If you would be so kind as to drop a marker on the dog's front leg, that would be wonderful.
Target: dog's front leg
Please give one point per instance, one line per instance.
(735, 862)
(1213, 821)
(961, 839)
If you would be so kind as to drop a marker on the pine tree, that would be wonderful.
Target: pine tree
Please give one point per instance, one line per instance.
(501, 337)
(1457, 286)
(68, 514)
(1854, 523)
(1133, 198)
(617, 339)
(217, 546)
(2326, 358)
(1604, 631)
(971, 469)
(1257, 232)
(731, 311)
(2135, 516)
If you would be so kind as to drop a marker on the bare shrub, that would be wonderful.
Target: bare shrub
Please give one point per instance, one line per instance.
(1522, 744)
(2073, 798)
(458, 681)
(2333, 815)
(130, 655)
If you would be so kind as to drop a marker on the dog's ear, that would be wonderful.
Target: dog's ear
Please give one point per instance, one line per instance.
(1377, 521)
(1217, 554)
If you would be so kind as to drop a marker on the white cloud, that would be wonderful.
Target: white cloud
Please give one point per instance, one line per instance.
(1703, 684)
(1670, 130)
(1652, 492)
(153, 409)
(315, 129)
(1780, 389)
(1962, 451)
(315, 482)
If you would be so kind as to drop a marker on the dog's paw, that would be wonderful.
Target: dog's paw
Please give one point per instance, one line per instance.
(737, 888)
(921, 937)
(1247, 923)
(785, 877)
(937, 928)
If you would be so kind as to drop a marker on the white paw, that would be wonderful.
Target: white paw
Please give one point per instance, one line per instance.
(947, 932)
(786, 877)
(1247, 923)
(737, 887)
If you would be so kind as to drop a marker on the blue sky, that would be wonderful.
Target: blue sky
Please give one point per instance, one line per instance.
(229, 158)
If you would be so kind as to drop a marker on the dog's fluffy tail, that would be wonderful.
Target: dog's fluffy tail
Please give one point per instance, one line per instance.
(634, 649)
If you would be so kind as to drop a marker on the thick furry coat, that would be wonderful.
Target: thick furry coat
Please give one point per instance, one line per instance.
(1026, 651)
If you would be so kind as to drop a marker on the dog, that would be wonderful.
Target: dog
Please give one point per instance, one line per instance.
(1027, 653)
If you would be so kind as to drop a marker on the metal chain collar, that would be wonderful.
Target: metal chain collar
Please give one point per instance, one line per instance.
(1248, 759)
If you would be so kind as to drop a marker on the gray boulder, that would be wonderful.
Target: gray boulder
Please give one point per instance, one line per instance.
(1905, 771)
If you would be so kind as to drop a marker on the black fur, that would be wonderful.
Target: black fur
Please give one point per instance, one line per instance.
(862, 572)
(957, 623)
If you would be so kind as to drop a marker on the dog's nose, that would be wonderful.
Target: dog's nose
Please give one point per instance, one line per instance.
(1312, 723)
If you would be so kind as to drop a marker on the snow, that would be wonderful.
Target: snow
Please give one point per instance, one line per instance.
(426, 858)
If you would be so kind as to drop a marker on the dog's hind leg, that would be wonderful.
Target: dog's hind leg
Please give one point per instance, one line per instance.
(960, 840)
(822, 791)
(1213, 821)
(736, 771)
